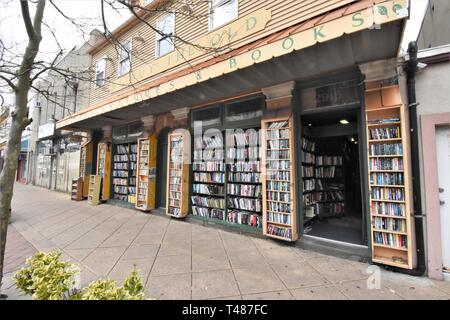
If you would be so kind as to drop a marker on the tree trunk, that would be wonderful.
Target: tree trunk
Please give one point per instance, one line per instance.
(19, 120)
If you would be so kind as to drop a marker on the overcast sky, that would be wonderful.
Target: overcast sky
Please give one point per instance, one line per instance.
(88, 12)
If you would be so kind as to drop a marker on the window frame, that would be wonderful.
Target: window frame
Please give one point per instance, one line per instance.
(158, 37)
(211, 27)
(121, 61)
(101, 60)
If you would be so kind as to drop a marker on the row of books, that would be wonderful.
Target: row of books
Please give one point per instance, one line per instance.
(174, 202)
(122, 149)
(250, 137)
(279, 196)
(385, 133)
(277, 125)
(389, 224)
(278, 134)
(245, 167)
(121, 158)
(208, 189)
(279, 207)
(175, 195)
(328, 196)
(279, 165)
(279, 231)
(329, 208)
(208, 155)
(243, 153)
(245, 190)
(209, 166)
(208, 142)
(389, 239)
(175, 180)
(396, 194)
(278, 154)
(308, 145)
(386, 164)
(328, 172)
(387, 209)
(385, 149)
(120, 173)
(278, 186)
(278, 144)
(307, 157)
(175, 211)
(246, 218)
(385, 120)
(121, 189)
(252, 177)
(387, 178)
(175, 187)
(120, 197)
(209, 177)
(121, 165)
(307, 171)
(209, 213)
(279, 218)
(245, 204)
(279, 175)
(120, 181)
(216, 203)
(328, 160)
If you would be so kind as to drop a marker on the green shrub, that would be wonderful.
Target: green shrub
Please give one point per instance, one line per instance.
(48, 278)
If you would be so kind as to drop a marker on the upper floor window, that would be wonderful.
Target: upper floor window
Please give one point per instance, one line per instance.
(100, 70)
(124, 58)
(164, 35)
(222, 12)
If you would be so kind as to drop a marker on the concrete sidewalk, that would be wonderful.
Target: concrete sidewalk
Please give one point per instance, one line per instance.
(182, 260)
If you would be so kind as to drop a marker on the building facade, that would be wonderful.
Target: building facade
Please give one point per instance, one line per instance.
(56, 153)
(432, 82)
(285, 119)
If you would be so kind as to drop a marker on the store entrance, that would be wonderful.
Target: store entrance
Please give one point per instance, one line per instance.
(331, 176)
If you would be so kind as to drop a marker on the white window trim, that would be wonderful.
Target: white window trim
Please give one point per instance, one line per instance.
(157, 55)
(129, 54)
(210, 25)
(104, 59)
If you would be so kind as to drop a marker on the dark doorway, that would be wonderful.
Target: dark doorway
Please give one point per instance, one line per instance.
(161, 173)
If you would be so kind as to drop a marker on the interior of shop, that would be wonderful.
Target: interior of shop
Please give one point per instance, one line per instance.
(331, 176)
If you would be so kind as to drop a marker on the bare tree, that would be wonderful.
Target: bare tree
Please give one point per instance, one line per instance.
(27, 71)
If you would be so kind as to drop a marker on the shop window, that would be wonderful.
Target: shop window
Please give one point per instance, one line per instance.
(124, 58)
(164, 35)
(222, 12)
(135, 130)
(207, 117)
(244, 110)
(120, 133)
(337, 94)
(100, 69)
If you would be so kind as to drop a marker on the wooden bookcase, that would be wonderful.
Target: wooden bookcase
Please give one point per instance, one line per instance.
(94, 190)
(278, 176)
(77, 189)
(178, 175)
(146, 174)
(104, 168)
(86, 158)
(124, 172)
(391, 203)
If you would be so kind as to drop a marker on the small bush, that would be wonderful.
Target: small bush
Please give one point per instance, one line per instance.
(48, 278)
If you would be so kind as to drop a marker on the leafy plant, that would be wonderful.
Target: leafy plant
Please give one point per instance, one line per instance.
(48, 278)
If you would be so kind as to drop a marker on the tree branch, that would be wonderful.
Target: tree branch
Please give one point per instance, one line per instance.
(27, 19)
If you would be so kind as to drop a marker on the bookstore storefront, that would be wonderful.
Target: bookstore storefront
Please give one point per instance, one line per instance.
(302, 134)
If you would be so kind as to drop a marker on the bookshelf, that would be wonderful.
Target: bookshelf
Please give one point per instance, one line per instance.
(86, 157)
(278, 177)
(243, 177)
(124, 172)
(77, 189)
(208, 188)
(104, 168)
(94, 190)
(392, 228)
(178, 175)
(146, 173)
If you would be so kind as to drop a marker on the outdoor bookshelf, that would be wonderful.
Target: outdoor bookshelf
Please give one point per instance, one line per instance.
(279, 198)
(104, 168)
(86, 157)
(94, 190)
(146, 174)
(391, 205)
(124, 172)
(77, 189)
(178, 175)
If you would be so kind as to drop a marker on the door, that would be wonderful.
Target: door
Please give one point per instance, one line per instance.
(443, 161)
(161, 174)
